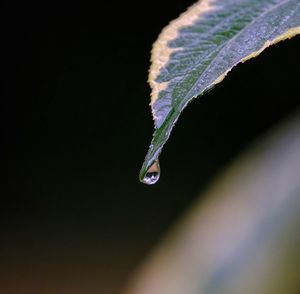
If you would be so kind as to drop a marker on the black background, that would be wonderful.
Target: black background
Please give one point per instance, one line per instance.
(75, 127)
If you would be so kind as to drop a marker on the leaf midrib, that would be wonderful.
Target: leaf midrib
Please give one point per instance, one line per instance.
(183, 102)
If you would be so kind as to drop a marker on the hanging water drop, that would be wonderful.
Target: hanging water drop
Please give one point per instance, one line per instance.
(153, 174)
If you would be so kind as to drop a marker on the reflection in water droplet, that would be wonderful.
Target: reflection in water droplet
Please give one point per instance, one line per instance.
(152, 174)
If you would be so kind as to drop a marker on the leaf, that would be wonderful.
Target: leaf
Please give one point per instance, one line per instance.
(197, 50)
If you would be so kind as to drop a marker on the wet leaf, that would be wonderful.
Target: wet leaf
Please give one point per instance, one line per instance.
(197, 50)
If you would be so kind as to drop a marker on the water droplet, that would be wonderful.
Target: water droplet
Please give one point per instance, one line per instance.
(153, 174)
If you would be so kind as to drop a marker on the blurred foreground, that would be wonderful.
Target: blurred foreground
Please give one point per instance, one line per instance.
(243, 236)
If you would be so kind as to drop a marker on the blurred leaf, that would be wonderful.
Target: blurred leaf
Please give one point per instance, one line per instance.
(242, 237)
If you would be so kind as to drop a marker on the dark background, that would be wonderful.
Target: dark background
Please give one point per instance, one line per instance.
(75, 126)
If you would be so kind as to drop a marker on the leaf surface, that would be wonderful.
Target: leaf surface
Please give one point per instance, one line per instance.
(197, 50)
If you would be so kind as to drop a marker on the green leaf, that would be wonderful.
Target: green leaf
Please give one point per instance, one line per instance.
(197, 50)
